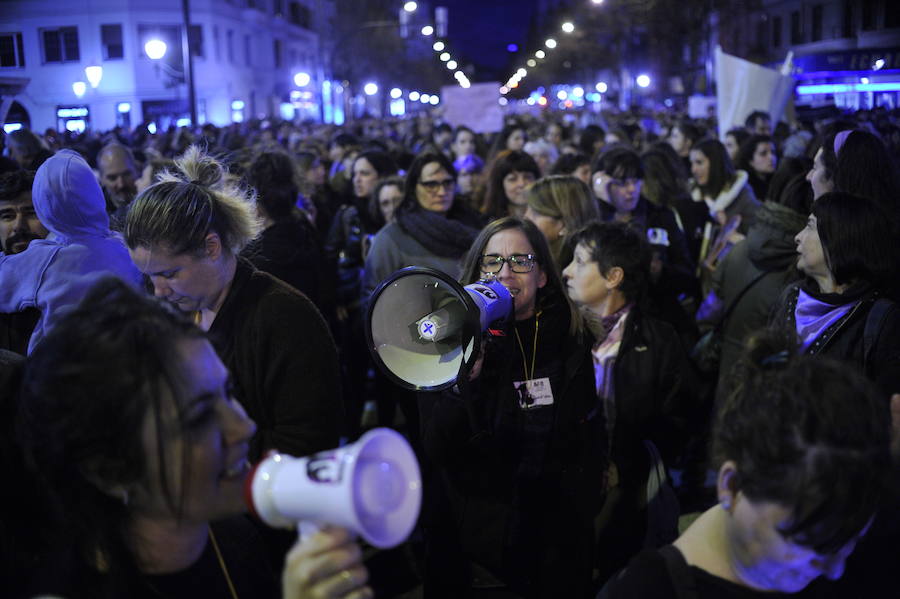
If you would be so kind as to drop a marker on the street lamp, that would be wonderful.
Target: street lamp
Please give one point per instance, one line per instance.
(155, 49)
(540, 54)
(371, 88)
(94, 74)
(396, 93)
(302, 79)
(568, 27)
(601, 87)
(427, 30)
(438, 46)
(410, 7)
(452, 65)
(414, 96)
(550, 43)
(445, 56)
(643, 80)
(79, 88)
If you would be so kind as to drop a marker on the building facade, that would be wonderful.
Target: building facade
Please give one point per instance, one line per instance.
(245, 56)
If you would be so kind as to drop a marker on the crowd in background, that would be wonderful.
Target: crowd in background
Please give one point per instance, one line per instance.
(695, 388)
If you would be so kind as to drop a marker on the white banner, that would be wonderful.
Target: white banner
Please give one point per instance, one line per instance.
(475, 107)
(743, 86)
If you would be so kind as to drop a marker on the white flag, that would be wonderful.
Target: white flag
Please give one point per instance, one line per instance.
(743, 86)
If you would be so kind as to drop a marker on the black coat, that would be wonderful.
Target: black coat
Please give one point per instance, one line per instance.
(283, 362)
(515, 490)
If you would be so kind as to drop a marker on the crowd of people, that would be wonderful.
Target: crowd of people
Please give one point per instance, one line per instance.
(693, 395)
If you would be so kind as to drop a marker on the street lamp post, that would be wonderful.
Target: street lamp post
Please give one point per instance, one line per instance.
(189, 60)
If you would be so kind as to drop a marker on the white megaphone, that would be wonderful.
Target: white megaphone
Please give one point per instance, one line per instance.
(372, 487)
(424, 328)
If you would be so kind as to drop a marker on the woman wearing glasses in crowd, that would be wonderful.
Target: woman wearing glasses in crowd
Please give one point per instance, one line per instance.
(518, 454)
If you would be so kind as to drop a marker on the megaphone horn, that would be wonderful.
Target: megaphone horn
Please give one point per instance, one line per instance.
(372, 487)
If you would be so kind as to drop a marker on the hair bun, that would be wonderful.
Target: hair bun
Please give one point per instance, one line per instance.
(769, 349)
(198, 168)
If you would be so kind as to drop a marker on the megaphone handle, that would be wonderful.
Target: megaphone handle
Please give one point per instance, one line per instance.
(306, 529)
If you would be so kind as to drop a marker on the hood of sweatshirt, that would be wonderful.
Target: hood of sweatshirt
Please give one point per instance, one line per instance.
(68, 199)
(770, 241)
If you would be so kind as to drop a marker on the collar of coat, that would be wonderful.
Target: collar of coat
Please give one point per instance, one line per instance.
(726, 197)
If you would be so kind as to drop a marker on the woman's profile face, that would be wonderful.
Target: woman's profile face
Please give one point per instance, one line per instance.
(817, 178)
(700, 167)
(516, 140)
(551, 227)
(365, 177)
(522, 286)
(767, 559)
(554, 135)
(811, 259)
(205, 437)
(187, 281)
(732, 146)
(679, 142)
(764, 160)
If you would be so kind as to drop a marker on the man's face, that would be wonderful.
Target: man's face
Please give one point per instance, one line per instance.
(19, 225)
(118, 174)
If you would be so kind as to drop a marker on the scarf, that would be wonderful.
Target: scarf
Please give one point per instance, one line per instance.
(813, 316)
(441, 235)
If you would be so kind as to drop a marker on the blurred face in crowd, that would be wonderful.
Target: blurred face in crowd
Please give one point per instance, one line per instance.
(732, 146)
(206, 435)
(554, 135)
(764, 160)
(585, 284)
(762, 126)
(464, 144)
(812, 255)
(442, 139)
(389, 197)
(583, 172)
(764, 558)
(434, 191)
(817, 178)
(316, 173)
(145, 180)
(467, 181)
(700, 167)
(118, 174)
(523, 286)
(514, 185)
(622, 193)
(19, 224)
(189, 281)
(680, 143)
(516, 140)
(364, 178)
(543, 162)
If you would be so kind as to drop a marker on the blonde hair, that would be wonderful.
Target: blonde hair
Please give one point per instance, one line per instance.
(188, 203)
(564, 197)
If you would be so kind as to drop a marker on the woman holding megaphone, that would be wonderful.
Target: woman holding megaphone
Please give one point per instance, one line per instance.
(137, 454)
(518, 455)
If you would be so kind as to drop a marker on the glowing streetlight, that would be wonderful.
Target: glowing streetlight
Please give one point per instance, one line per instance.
(864, 80)
(601, 87)
(879, 64)
(550, 43)
(414, 96)
(94, 74)
(445, 56)
(452, 65)
(396, 93)
(643, 80)
(370, 89)
(504, 90)
(155, 49)
(410, 7)
(540, 54)
(434, 100)
(425, 98)
(561, 94)
(531, 62)
(302, 79)
(79, 88)
(521, 73)
(427, 30)
(568, 27)
(578, 91)
(597, 1)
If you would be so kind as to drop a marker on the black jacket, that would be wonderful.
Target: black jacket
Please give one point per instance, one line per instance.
(515, 490)
(283, 362)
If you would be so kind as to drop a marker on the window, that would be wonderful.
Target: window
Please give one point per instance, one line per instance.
(216, 47)
(111, 38)
(276, 52)
(848, 18)
(300, 15)
(868, 15)
(247, 56)
(229, 45)
(776, 32)
(891, 18)
(796, 29)
(60, 45)
(816, 30)
(278, 8)
(195, 39)
(11, 52)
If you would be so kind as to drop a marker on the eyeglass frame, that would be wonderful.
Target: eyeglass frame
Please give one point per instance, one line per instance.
(510, 260)
(434, 186)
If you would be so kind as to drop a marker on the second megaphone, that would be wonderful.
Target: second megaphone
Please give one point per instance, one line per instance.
(372, 487)
(423, 327)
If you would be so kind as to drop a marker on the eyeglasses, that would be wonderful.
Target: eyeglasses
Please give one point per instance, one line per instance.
(520, 263)
(433, 186)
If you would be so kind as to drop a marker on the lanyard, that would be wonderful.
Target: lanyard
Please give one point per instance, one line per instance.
(529, 376)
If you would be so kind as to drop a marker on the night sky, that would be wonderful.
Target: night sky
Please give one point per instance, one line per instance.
(480, 30)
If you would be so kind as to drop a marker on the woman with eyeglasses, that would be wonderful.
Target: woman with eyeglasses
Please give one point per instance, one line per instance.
(517, 450)
(432, 228)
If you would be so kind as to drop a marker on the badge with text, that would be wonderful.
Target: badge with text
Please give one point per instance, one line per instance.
(534, 393)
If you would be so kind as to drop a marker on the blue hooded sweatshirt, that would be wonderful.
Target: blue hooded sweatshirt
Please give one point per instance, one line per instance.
(57, 272)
